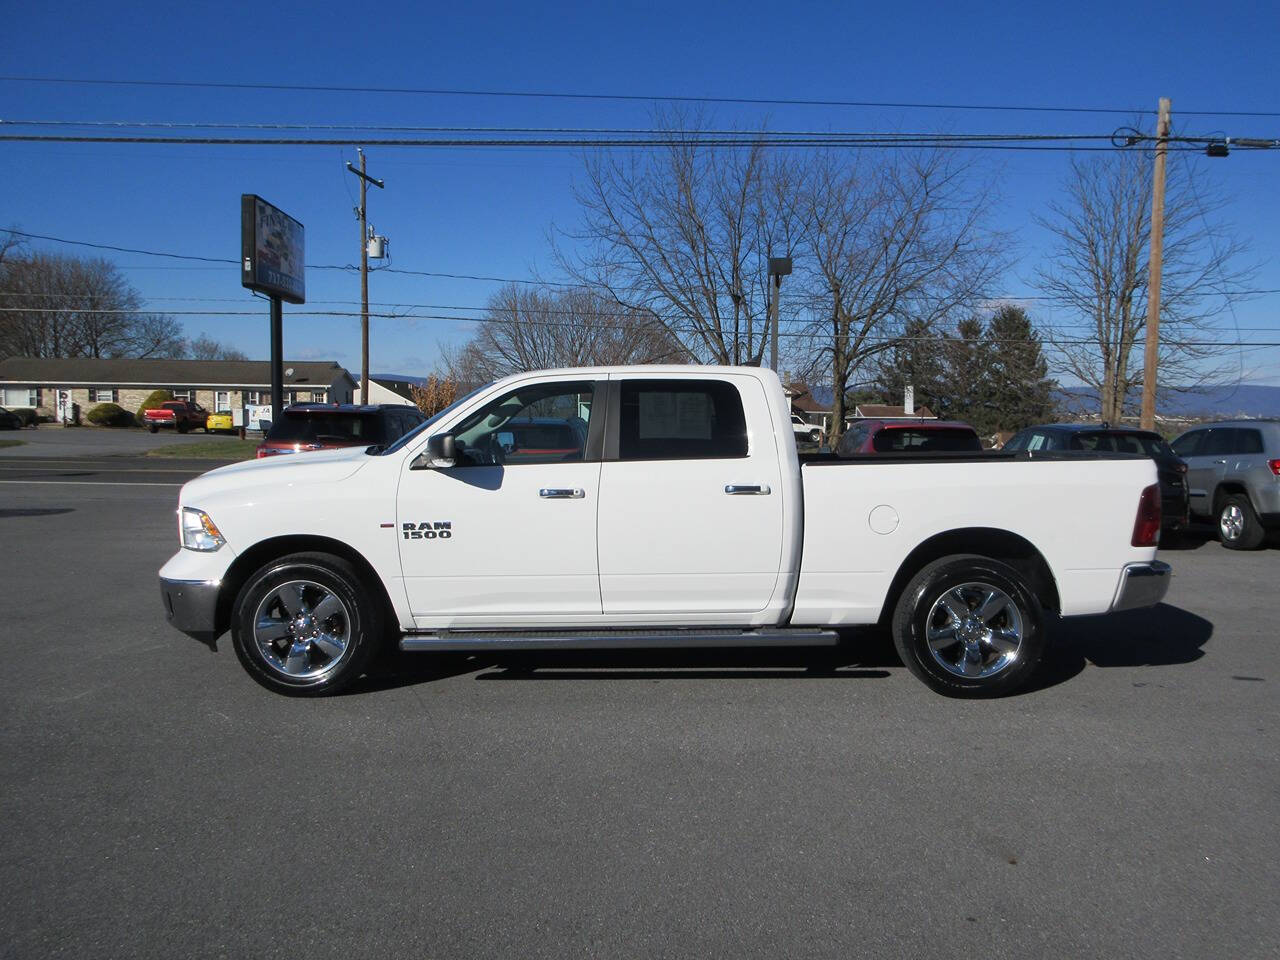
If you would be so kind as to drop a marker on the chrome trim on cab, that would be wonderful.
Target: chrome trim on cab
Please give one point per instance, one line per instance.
(1142, 585)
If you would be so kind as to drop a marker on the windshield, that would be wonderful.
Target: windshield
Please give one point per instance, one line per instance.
(313, 426)
(399, 444)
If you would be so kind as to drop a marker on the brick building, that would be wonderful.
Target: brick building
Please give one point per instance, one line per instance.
(50, 386)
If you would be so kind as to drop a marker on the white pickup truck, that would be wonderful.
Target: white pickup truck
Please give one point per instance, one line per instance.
(652, 506)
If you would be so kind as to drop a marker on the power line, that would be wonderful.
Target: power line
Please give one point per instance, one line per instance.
(1051, 143)
(473, 276)
(622, 97)
(882, 339)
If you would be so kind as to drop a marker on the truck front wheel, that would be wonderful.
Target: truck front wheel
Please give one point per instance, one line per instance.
(306, 625)
(969, 626)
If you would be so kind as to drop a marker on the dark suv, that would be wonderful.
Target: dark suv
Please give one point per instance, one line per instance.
(1233, 470)
(321, 426)
(1170, 470)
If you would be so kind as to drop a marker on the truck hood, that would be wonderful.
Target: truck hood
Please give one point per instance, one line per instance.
(283, 470)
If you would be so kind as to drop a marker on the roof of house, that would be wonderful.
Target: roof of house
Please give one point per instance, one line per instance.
(802, 399)
(164, 373)
(401, 388)
(885, 411)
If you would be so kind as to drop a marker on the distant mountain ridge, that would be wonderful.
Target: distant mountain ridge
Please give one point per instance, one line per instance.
(1224, 402)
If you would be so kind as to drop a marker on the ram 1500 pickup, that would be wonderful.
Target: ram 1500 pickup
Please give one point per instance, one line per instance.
(653, 506)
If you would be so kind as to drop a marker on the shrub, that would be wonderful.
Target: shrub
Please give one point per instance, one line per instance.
(111, 415)
(154, 399)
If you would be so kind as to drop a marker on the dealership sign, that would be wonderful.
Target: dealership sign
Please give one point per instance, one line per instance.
(271, 250)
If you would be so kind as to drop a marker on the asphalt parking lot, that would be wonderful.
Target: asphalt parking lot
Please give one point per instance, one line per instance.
(157, 803)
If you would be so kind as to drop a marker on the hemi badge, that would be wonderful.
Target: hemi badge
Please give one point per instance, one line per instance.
(384, 526)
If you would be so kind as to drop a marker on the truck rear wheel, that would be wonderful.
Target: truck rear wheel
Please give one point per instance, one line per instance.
(306, 624)
(969, 626)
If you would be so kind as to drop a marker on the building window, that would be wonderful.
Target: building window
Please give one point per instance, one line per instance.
(103, 395)
(183, 393)
(20, 397)
(222, 400)
(257, 398)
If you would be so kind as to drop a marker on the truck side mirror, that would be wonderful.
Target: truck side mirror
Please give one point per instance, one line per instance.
(442, 453)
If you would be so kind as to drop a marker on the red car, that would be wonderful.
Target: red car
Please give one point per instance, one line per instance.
(909, 436)
(318, 426)
(182, 415)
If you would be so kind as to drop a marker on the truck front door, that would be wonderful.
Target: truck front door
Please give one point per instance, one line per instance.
(508, 534)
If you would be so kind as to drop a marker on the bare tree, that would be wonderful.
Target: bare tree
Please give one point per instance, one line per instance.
(684, 233)
(156, 335)
(204, 347)
(1097, 272)
(892, 240)
(436, 394)
(529, 328)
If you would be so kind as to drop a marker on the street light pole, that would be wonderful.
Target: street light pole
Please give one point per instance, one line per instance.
(779, 267)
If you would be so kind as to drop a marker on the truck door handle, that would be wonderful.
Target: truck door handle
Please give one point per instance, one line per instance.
(749, 489)
(1219, 461)
(562, 493)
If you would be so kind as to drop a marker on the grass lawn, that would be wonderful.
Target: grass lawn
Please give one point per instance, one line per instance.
(6, 442)
(220, 448)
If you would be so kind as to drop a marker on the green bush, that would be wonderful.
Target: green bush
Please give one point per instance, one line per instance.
(111, 415)
(154, 399)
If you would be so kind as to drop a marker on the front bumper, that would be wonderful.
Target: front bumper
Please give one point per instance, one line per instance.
(1142, 585)
(192, 606)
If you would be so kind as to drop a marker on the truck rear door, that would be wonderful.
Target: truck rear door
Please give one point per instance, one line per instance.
(691, 500)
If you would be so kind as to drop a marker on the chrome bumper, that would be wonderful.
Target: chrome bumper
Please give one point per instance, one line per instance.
(192, 606)
(1142, 585)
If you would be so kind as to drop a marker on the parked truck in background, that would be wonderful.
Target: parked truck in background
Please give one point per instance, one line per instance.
(680, 515)
(183, 415)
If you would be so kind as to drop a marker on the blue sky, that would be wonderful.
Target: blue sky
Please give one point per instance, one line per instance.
(490, 212)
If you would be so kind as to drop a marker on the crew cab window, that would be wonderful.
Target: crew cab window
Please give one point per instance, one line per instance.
(681, 420)
(1247, 441)
(541, 423)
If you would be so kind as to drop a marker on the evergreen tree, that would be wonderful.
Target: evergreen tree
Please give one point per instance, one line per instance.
(1021, 390)
(914, 360)
(969, 357)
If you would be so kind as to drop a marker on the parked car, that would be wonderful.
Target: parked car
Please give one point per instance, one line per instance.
(686, 519)
(10, 420)
(908, 436)
(326, 426)
(222, 421)
(805, 431)
(183, 415)
(1233, 476)
(1104, 438)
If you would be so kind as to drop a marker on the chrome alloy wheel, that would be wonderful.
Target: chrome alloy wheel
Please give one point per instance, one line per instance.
(302, 629)
(974, 630)
(1231, 522)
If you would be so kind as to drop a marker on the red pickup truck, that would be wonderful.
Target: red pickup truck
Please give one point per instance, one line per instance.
(183, 415)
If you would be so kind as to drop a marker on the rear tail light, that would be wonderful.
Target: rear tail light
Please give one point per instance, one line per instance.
(1146, 526)
(1182, 468)
(1275, 466)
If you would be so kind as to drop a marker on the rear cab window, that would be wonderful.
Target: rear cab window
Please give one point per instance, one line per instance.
(680, 420)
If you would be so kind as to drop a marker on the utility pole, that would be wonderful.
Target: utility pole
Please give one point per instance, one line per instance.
(365, 180)
(1154, 269)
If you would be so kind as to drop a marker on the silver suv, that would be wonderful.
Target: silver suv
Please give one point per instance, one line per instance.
(1233, 476)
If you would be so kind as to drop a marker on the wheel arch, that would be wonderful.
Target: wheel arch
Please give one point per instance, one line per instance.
(272, 548)
(1227, 488)
(1003, 545)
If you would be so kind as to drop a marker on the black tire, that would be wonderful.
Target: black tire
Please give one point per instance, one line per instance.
(154, 429)
(182, 427)
(921, 611)
(815, 436)
(318, 670)
(1238, 524)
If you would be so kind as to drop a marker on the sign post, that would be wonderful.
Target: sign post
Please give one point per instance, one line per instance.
(272, 254)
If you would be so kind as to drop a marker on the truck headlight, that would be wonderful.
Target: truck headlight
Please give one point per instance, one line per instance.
(199, 532)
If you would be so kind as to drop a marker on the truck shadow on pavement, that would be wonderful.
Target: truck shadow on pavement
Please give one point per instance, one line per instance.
(1162, 636)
